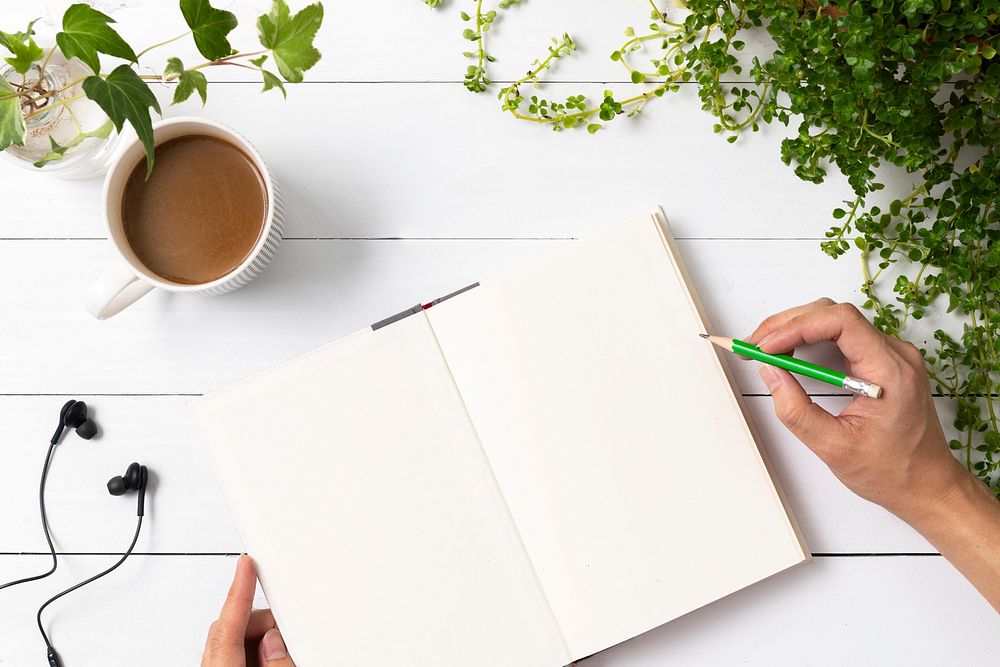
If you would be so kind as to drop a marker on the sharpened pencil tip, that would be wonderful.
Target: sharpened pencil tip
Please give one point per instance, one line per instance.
(703, 335)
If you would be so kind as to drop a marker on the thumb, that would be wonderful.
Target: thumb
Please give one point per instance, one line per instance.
(808, 422)
(272, 651)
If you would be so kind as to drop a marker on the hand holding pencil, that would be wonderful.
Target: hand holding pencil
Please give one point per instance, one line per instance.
(890, 451)
(864, 444)
(800, 366)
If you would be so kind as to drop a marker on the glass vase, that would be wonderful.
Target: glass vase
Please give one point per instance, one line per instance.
(67, 134)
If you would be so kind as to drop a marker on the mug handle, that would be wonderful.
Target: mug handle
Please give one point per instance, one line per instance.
(116, 289)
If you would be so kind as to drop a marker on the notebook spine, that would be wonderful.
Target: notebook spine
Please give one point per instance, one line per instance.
(418, 308)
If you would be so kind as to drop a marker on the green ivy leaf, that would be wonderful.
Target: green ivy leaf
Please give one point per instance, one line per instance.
(24, 49)
(188, 81)
(12, 127)
(124, 96)
(210, 27)
(272, 81)
(58, 151)
(86, 33)
(173, 69)
(28, 32)
(290, 38)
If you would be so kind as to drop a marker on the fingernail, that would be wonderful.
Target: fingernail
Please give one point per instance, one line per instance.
(273, 645)
(763, 340)
(770, 377)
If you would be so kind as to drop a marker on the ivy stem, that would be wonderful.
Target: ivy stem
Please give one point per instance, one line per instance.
(159, 44)
(76, 121)
(60, 103)
(45, 62)
(228, 60)
(69, 85)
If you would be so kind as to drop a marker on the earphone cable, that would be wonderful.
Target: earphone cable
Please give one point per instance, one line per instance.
(45, 525)
(128, 552)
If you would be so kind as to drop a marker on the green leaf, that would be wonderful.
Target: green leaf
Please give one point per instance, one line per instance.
(272, 81)
(210, 27)
(173, 69)
(12, 127)
(290, 38)
(124, 96)
(58, 151)
(188, 81)
(28, 32)
(23, 47)
(86, 33)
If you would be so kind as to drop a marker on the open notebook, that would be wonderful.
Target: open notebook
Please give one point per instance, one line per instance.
(524, 474)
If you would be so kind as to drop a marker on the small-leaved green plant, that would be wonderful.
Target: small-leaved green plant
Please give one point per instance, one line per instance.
(124, 94)
(911, 84)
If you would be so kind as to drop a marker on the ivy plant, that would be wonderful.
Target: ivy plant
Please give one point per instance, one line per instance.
(123, 93)
(912, 85)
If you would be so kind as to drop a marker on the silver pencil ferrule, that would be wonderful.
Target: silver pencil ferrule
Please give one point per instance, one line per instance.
(862, 387)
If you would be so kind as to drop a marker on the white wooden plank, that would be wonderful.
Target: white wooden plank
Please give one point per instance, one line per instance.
(152, 611)
(832, 611)
(914, 611)
(317, 291)
(831, 517)
(430, 160)
(186, 512)
(368, 41)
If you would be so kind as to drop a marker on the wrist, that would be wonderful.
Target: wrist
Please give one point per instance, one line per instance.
(959, 495)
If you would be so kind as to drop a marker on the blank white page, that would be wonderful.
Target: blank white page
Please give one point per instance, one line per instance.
(361, 490)
(616, 439)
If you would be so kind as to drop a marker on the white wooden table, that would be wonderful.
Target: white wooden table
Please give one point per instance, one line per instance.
(401, 185)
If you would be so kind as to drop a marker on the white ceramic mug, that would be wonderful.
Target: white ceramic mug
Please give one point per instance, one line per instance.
(127, 281)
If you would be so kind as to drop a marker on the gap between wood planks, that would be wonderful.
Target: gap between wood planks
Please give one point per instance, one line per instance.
(196, 395)
(443, 238)
(870, 554)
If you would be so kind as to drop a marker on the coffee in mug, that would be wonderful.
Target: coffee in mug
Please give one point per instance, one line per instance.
(200, 212)
(206, 221)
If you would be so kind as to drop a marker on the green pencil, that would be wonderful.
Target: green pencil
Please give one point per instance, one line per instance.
(793, 365)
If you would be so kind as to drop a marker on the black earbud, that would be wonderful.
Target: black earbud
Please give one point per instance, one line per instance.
(74, 415)
(135, 479)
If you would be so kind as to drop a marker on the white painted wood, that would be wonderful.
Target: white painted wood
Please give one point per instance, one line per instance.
(404, 41)
(431, 160)
(317, 291)
(887, 611)
(187, 513)
(420, 160)
(832, 611)
(152, 611)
